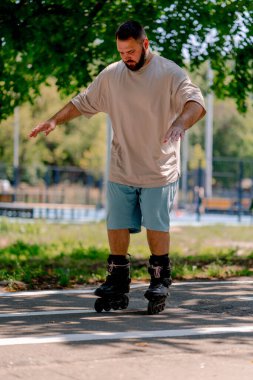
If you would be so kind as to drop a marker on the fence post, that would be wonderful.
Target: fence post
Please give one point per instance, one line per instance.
(209, 136)
(185, 154)
(198, 191)
(16, 152)
(240, 190)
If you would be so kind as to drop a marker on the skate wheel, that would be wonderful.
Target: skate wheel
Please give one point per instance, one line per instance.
(107, 307)
(124, 302)
(155, 308)
(99, 305)
(160, 308)
(151, 308)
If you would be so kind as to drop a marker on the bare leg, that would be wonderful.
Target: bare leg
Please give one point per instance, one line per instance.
(159, 242)
(119, 241)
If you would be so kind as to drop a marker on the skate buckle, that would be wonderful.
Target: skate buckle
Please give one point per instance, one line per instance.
(110, 267)
(157, 271)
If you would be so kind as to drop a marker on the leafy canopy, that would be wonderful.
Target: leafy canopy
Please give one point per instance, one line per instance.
(73, 40)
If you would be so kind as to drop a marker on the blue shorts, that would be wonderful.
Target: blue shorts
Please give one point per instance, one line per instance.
(129, 207)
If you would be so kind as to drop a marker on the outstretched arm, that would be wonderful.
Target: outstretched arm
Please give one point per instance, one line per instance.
(68, 112)
(191, 113)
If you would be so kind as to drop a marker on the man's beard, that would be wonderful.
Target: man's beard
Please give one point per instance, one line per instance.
(139, 64)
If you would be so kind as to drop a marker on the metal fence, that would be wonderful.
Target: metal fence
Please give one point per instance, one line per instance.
(53, 184)
(232, 186)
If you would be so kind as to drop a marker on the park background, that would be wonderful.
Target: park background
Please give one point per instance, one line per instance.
(51, 50)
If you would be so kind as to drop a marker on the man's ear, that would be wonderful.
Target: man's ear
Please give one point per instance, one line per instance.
(146, 43)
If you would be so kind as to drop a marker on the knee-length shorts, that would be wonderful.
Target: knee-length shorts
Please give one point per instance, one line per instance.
(130, 207)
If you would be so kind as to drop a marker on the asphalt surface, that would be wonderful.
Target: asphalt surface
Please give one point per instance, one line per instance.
(206, 332)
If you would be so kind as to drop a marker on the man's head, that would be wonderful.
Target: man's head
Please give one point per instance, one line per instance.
(132, 44)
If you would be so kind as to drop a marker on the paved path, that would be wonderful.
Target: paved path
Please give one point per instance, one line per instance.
(206, 332)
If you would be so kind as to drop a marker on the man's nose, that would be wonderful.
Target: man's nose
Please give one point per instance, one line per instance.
(126, 56)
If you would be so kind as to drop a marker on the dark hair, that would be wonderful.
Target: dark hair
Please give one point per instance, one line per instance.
(130, 29)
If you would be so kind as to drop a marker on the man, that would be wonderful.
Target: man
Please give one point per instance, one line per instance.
(151, 103)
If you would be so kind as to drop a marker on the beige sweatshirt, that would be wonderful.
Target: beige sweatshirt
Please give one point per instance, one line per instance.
(142, 106)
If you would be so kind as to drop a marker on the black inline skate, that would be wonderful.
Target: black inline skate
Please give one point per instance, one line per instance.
(160, 272)
(112, 293)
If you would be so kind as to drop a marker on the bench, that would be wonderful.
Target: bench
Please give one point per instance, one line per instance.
(225, 204)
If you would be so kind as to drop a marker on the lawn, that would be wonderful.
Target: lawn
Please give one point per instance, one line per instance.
(39, 255)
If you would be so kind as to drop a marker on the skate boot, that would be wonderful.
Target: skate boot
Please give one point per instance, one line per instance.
(160, 272)
(112, 293)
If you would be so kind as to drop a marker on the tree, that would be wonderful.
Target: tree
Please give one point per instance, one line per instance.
(232, 131)
(68, 146)
(93, 159)
(72, 40)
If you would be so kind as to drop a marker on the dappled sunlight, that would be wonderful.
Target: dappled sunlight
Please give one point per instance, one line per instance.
(189, 306)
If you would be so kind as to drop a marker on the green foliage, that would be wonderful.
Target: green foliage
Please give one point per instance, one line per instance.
(232, 131)
(232, 135)
(72, 40)
(46, 256)
(69, 145)
(37, 268)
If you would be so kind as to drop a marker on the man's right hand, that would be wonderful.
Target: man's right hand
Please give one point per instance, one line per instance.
(46, 127)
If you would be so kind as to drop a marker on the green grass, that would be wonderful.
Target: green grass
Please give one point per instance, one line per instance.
(43, 255)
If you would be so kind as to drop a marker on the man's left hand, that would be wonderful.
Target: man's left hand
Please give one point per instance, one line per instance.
(174, 133)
